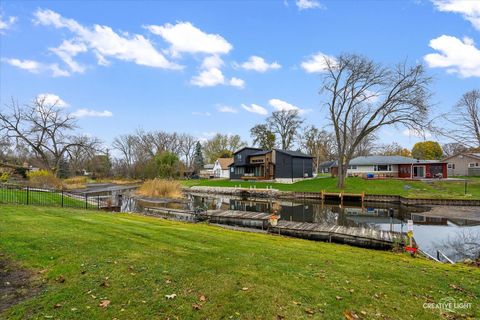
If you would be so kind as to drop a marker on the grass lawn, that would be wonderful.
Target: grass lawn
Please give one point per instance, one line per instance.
(42, 198)
(413, 189)
(135, 261)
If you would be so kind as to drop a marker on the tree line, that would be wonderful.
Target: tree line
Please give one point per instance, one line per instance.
(359, 95)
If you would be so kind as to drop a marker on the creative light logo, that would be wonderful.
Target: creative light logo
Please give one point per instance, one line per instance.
(447, 304)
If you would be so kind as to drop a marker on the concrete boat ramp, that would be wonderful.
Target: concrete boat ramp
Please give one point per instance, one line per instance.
(356, 236)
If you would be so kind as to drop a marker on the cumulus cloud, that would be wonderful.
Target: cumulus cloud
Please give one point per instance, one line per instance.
(84, 113)
(226, 109)
(317, 63)
(103, 42)
(52, 99)
(211, 75)
(469, 9)
(37, 67)
(457, 56)
(184, 37)
(280, 105)
(309, 4)
(259, 64)
(7, 23)
(255, 108)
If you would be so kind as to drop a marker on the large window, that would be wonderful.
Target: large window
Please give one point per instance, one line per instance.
(352, 167)
(382, 167)
(451, 166)
(473, 165)
(239, 170)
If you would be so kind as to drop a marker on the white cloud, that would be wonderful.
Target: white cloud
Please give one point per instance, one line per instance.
(104, 43)
(236, 82)
(415, 133)
(309, 4)
(211, 75)
(206, 114)
(259, 64)
(52, 99)
(280, 105)
(37, 67)
(255, 108)
(208, 78)
(185, 37)
(457, 56)
(317, 63)
(226, 109)
(83, 113)
(69, 49)
(469, 9)
(7, 23)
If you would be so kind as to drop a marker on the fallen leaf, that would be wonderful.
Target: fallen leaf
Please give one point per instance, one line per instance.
(280, 317)
(350, 315)
(338, 298)
(309, 311)
(203, 298)
(57, 305)
(170, 296)
(104, 303)
(244, 289)
(168, 281)
(60, 279)
(196, 306)
(296, 303)
(74, 309)
(105, 284)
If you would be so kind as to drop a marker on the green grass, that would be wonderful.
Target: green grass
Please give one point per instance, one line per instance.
(413, 189)
(145, 259)
(41, 198)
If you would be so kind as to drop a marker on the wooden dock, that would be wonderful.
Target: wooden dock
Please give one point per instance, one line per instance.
(356, 236)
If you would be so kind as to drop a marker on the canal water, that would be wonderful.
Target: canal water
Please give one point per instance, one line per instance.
(454, 237)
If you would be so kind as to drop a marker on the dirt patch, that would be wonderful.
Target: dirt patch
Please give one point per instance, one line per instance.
(16, 284)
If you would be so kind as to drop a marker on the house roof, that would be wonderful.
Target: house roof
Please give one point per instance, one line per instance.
(465, 154)
(260, 153)
(297, 154)
(385, 160)
(225, 162)
(251, 148)
(327, 164)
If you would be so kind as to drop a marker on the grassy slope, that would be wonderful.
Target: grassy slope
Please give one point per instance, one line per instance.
(41, 198)
(139, 254)
(419, 189)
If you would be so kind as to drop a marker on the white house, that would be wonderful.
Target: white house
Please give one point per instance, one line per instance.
(221, 168)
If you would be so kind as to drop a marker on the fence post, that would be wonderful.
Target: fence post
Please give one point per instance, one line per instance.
(98, 202)
(86, 201)
(62, 198)
(28, 195)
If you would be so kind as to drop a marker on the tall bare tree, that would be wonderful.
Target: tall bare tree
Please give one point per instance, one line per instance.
(465, 118)
(44, 127)
(285, 124)
(453, 148)
(363, 96)
(187, 146)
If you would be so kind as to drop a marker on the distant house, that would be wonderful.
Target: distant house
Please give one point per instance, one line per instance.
(207, 171)
(325, 166)
(280, 165)
(221, 167)
(463, 164)
(394, 167)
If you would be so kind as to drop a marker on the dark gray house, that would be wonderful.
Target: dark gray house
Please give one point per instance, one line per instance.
(257, 164)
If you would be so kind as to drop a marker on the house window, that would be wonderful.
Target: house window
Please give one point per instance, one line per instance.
(232, 169)
(382, 167)
(471, 165)
(239, 170)
(352, 167)
(239, 156)
(451, 166)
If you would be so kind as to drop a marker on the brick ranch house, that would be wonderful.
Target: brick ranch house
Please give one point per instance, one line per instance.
(280, 165)
(394, 167)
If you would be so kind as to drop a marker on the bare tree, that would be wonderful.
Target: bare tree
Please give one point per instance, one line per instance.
(363, 96)
(465, 117)
(318, 144)
(393, 149)
(126, 145)
(44, 128)
(187, 145)
(453, 148)
(285, 124)
(464, 245)
(222, 146)
(366, 147)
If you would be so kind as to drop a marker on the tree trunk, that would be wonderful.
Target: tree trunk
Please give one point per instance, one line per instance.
(342, 172)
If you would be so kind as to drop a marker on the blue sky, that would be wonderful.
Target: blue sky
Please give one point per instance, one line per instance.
(219, 66)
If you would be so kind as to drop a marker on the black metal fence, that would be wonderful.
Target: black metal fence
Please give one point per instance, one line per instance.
(16, 194)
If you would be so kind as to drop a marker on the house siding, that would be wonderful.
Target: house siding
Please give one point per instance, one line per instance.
(459, 164)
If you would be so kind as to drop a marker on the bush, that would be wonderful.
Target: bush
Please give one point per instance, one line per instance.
(160, 188)
(4, 176)
(75, 182)
(43, 179)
